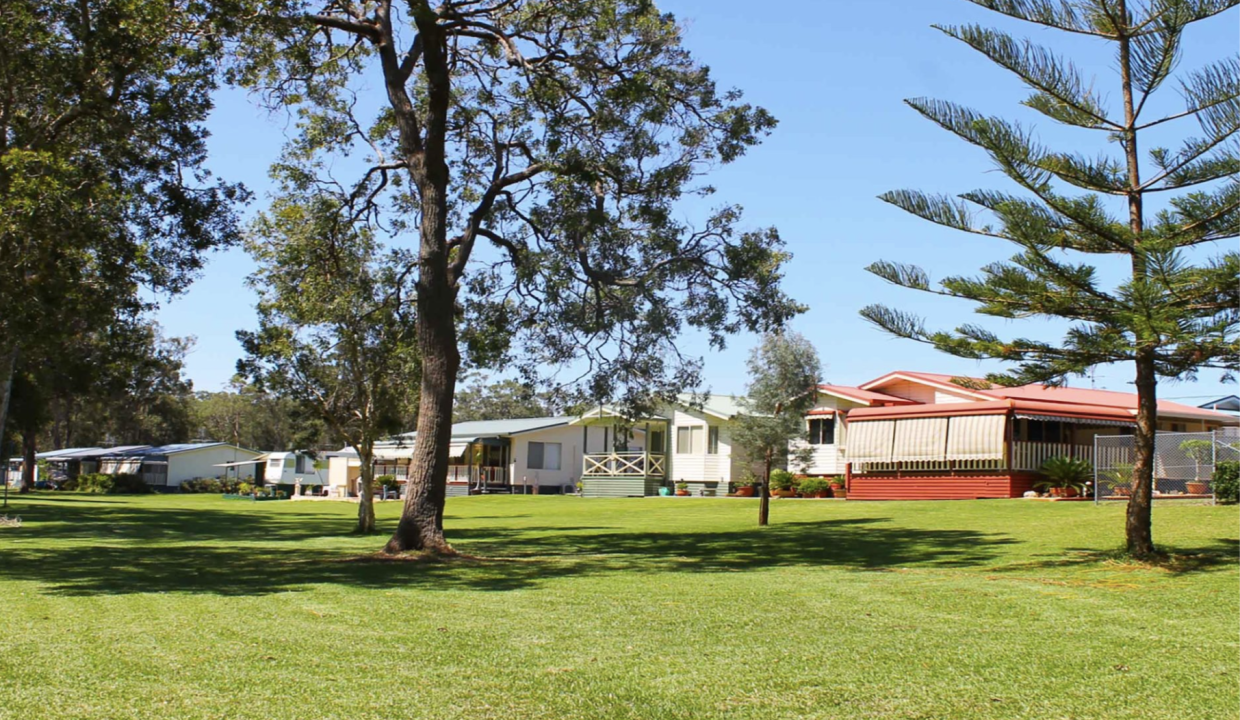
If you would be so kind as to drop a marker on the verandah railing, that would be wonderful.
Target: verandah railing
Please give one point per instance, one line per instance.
(624, 464)
(1026, 457)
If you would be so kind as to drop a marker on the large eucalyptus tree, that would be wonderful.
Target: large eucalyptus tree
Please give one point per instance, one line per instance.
(540, 151)
(1177, 309)
(103, 184)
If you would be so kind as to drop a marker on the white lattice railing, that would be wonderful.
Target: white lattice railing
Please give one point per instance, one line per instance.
(1031, 455)
(624, 464)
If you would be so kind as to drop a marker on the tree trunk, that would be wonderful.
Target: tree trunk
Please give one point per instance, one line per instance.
(8, 364)
(366, 491)
(421, 519)
(29, 450)
(764, 504)
(1138, 527)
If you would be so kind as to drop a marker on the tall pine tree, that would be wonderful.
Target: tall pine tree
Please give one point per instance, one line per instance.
(1174, 313)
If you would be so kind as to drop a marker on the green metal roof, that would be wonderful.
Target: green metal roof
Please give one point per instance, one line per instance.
(496, 428)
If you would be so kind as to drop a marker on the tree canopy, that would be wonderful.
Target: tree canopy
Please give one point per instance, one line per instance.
(539, 151)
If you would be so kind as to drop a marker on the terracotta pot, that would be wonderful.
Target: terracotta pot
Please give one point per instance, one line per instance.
(841, 493)
(1123, 491)
(1069, 492)
(783, 493)
(823, 494)
(744, 491)
(1198, 488)
(682, 493)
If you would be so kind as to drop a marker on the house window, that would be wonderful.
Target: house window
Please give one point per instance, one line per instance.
(544, 456)
(689, 440)
(712, 440)
(658, 443)
(822, 431)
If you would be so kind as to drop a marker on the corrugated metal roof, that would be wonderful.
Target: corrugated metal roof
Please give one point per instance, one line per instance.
(172, 449)
(68, 453)
(495, 428)
(724, 406)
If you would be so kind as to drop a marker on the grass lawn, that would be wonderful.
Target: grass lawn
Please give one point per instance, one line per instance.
(197, 607)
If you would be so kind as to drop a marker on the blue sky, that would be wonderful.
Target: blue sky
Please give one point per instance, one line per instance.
(834, 72)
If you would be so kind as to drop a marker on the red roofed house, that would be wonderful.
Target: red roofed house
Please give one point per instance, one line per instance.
(912, 435)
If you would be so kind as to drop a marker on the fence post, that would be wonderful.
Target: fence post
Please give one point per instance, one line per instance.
(1213, 464)
(1097, 487)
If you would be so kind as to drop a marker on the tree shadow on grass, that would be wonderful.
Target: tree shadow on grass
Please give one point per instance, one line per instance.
(1174, 560)
(180, 550)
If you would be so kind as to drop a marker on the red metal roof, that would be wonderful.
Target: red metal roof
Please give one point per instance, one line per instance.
(932, 379)
(1101, 398)
(867, 397)
(1087, 400)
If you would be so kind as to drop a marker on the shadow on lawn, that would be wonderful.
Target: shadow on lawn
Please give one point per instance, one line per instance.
(1176, 561)
(157, 552)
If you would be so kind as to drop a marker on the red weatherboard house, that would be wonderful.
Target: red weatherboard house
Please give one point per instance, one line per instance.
(923, 436)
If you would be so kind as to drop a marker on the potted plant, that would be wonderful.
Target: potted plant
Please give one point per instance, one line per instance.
(782, 484)
(745, 486)
(815, 488)
(1118, 479)
(837, 487)
(1065, 476)
(1199, 451)
(682, 489)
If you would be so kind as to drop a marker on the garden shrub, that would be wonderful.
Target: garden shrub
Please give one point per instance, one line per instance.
(202, 485)
(813, 486)
(1227, 482)
(781, 480)
(387, 481)
(104, 484)
(129, 484)
(244, 488)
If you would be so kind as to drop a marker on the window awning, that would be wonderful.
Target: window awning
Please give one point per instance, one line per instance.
(457, 448)
(975, 437)
(871, 441)
(394, 452)
(1077, 420)
(920, 439)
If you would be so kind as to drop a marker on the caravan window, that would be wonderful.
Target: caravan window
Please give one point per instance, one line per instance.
(712, 440)
(301, 464)
(288, 463)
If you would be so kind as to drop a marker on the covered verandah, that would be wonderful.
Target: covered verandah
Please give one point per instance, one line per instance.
(974, 450)
(621, 456)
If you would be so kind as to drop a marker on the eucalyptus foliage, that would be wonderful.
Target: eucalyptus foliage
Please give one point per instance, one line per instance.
(1175, 312)
(103, 184)
(540, 153)
(336, 330)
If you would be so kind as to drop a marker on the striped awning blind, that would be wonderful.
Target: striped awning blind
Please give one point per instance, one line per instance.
(975, 437)
(920, 439)
(1078, 421)
(871, 441)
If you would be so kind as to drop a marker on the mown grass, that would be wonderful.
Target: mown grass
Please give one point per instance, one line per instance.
(197, 607)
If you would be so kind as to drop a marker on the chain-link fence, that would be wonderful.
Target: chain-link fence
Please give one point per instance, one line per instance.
(1184, 463)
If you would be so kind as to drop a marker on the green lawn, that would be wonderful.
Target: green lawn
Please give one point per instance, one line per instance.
(197, 607)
